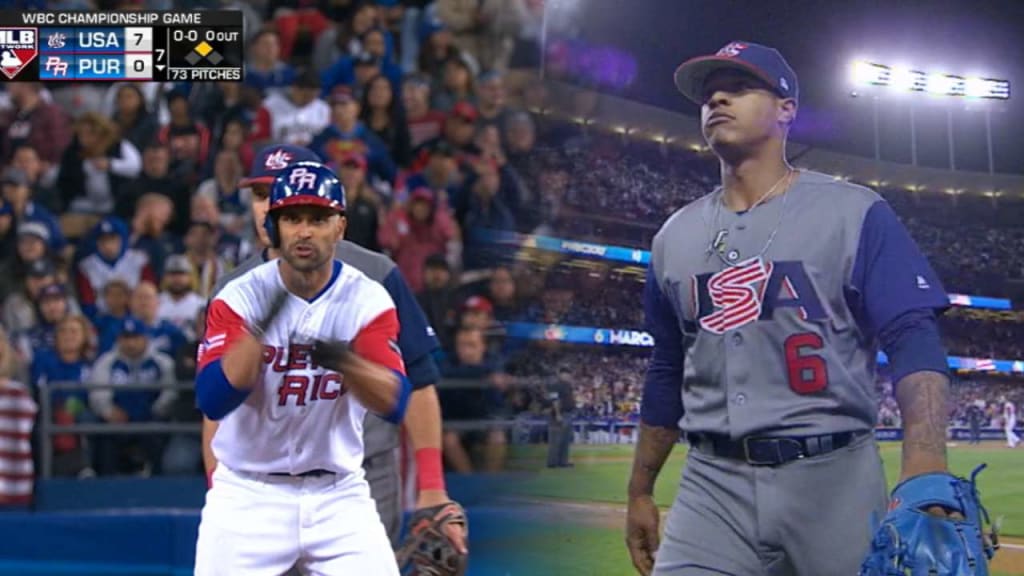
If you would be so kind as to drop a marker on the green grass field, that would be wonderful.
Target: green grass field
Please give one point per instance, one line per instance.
(585, 529)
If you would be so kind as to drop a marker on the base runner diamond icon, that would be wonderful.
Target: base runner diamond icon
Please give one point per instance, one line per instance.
(18, 48)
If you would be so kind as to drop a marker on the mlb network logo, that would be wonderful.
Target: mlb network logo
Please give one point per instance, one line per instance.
(18, 48)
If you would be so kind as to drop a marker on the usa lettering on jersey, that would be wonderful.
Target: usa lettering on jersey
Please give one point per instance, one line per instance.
(751, 291)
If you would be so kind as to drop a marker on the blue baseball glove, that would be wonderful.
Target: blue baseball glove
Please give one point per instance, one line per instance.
(912, 542)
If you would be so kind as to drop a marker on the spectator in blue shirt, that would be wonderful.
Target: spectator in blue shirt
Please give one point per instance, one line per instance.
(69, 361)
(133, 361)
(163, 336)
(265, 70)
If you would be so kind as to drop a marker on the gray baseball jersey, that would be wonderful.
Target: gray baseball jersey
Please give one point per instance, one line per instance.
(772, 315)
(416, 340)
(766, 323)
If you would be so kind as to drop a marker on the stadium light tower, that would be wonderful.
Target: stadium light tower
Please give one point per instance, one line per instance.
(903, 79)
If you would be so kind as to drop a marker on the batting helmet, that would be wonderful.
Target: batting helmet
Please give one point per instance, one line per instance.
(303, 184)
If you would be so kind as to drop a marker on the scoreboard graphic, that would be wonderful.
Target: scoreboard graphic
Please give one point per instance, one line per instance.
(111, 46)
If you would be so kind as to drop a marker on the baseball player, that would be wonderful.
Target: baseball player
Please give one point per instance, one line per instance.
(448, 524)
(768, 299)
(1009, 422)
(296, 352)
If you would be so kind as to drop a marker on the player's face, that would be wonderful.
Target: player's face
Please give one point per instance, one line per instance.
(260, 204)
(308, 236)
(740, 110)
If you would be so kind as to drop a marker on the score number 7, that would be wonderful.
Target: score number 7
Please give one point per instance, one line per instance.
(159, 53)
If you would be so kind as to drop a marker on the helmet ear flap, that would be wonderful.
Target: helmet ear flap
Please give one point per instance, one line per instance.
(270, 225)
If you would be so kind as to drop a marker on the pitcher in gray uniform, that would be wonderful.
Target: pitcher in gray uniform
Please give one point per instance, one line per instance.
(416, 341)
(768, 300)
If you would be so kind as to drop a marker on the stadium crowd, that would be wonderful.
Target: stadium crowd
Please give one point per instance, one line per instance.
(121, 204)
(121, 209)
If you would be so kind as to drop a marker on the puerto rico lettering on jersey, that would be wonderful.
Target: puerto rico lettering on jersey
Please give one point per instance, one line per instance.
(751, 291)
(299, 416)
(301, 388)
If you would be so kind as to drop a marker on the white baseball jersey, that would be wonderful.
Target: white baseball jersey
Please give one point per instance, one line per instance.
(181, 312)
(299, 417)
(291, 124)
(1010, 412)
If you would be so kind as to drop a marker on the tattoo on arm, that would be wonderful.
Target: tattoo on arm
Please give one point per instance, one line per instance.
(652, 449)
(923, 398)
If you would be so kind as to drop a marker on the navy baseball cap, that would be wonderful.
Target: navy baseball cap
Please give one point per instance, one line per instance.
(274, 158)
(763, 62)
(52, 291)
(131, 326)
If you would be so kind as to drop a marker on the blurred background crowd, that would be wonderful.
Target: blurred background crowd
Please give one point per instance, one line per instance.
(121, 209)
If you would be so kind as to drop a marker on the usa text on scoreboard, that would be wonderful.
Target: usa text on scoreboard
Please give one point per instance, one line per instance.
(109, 46)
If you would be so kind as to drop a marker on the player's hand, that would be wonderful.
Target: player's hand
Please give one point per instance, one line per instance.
(337, 356)
(642, 532)
(456, 533)
(277, 302)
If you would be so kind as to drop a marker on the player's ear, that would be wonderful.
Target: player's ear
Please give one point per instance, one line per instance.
(342, 224)
(787, 111)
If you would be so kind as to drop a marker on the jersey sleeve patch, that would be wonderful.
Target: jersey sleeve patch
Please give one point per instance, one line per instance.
(223, 327)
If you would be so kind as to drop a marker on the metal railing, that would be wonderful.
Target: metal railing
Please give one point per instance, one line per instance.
(47, 429)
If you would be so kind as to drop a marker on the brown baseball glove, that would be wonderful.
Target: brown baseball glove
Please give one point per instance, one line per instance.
(427, 551)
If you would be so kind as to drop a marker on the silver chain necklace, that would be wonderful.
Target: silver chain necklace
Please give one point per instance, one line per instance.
(717, 244)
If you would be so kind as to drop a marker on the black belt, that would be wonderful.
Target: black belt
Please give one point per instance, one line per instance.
(771, 451)
(307, 474)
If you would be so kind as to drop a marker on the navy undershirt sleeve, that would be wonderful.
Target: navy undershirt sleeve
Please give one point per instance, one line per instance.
(662, 403)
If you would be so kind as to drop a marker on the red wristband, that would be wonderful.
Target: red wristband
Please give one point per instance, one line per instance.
(429, 473)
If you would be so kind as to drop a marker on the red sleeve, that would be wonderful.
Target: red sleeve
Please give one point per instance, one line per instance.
(163, 135)
(260, 126)
(86, 292)
(223, 327)
(378, 342)
(148, 275)
(204, 143)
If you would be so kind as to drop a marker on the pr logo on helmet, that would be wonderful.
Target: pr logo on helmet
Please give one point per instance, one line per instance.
(277, 160)
(735, 297)
(302, 179)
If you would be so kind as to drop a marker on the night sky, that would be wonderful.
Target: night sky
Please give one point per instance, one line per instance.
(820, 39)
